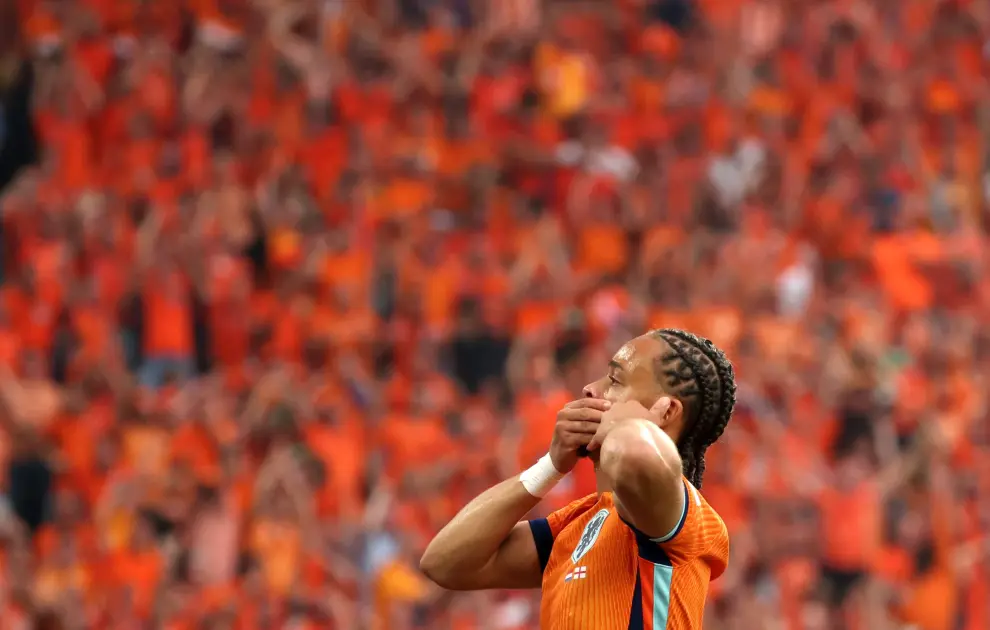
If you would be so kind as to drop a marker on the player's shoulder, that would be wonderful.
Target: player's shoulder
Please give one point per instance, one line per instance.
(574, 510)
(696, 497)
(712, 531)
(701, 532)
(547, 530)
(696, 503)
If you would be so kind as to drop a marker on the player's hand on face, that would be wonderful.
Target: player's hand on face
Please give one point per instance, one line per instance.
(576, 425)
(629, 410)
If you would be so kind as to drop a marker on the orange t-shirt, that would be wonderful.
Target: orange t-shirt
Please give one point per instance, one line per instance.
(279, 547)
(146, 449)
(567, 80)
(412, 443)
(851, 523)
(140, 571)
(932, 599)
(168, 316)
(341, 450)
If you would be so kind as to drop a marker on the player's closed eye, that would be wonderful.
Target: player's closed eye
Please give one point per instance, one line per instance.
(613, 380)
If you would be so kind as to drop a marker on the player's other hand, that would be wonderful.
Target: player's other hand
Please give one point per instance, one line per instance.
(629, 410)
(576, 424)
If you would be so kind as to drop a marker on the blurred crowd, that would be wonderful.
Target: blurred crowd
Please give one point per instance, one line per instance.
(286, 282)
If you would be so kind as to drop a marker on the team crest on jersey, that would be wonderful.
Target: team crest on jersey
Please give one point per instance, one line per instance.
(589, 536)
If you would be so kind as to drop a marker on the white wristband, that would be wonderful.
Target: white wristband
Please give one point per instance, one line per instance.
(541, 477)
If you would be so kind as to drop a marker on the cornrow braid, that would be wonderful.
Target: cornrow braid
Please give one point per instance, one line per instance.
(700, 375)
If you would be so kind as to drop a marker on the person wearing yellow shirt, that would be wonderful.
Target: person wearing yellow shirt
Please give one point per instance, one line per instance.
(565, 77)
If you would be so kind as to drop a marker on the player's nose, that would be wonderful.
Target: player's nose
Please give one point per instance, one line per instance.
(595, 389)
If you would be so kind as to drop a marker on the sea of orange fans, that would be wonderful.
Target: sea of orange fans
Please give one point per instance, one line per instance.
(291, 280)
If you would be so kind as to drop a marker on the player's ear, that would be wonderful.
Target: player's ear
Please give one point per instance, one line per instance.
(668, 410)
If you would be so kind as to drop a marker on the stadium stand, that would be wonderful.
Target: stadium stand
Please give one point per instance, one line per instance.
(286, 282)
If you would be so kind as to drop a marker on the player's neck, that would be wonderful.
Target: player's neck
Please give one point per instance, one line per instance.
(601, 483)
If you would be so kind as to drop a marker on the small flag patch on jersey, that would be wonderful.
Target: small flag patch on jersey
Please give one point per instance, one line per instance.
(577, 573)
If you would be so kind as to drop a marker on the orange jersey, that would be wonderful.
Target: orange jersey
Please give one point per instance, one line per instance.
(600, 573)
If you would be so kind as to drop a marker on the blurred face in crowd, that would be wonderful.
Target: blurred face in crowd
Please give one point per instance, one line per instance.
(33, 366)
(852, 469)
(143, 536)
(815, 615)
(67, 507)
(226, 168)
(282, 506)
(106, 453)
(66, 552)
(911, 530)
(48, 228)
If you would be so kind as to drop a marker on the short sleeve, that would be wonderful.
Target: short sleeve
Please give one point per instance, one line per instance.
(546, 530)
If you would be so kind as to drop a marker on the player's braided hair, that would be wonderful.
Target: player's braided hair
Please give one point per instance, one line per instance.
(701, 377)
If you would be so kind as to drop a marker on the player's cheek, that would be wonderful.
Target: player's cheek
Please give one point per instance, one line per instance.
(617, 394)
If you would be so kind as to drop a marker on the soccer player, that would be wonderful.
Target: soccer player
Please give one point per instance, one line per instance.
(638, 554)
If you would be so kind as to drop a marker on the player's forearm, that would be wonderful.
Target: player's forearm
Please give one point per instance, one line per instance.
(472, 539)
(638, 459)
(638, 446)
